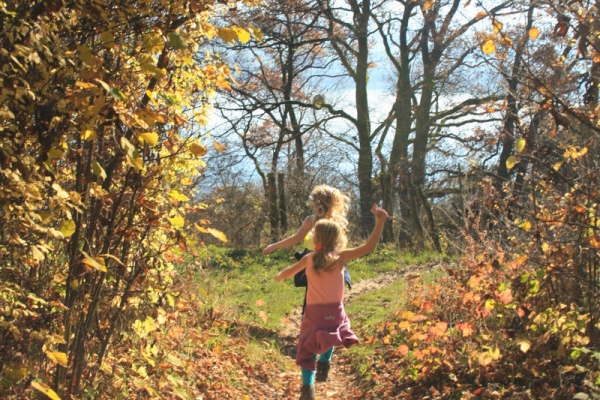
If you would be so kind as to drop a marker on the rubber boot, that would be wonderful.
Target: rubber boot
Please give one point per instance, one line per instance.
(307, 392)
(322, 371)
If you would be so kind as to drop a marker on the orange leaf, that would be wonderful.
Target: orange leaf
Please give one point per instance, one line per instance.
(219, 147)
(263, 316)
(403, 349)
(260, 302)
(438, 329)
(533, 33)
(465, 328)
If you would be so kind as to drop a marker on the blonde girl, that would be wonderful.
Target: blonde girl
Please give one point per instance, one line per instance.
(327, 203)
(325, 323)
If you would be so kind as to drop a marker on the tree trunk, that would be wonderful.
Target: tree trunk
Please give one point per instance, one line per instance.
(388, 205)
(282, 203)
(273, 214)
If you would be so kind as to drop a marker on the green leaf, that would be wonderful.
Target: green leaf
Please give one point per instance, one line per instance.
(176, 41)
(117, 94)
(108, 39)
(98, 170)
(67, 227)
(520, 145)
(55, 153)
(510, 162)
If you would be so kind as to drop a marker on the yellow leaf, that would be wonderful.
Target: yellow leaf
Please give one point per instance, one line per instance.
(174, 194)
(223, 83)
(545, 247)
(153, 42)
(257, 33)
(428, 5)
(94, 262)
(186, 181)
(135, 161)
(58, 357)
(89, 134)
(511, 161)
(67, 227)
(533, 33)
(557, 166)
(488, 47)
(480, 15)
(198, 149)
(177, 221)
(218, 234)
(220, 147)
(201, 229)
(242, 35)
(37, 254)
(497, 25)
(495, 353)
(149, 138)
(524, 344)
(85, 85)
(525, 225)
(520, 145)
(98, 170)
(227, 34)
(45, 389)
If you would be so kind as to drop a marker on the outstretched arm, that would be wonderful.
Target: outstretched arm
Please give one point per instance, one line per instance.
(292, 240)
(292, 269)
(350, 254)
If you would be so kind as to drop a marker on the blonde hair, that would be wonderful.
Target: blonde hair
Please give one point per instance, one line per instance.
(329, 203)
(329, 238)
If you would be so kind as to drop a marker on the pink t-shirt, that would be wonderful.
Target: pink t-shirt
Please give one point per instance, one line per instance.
(325, 287)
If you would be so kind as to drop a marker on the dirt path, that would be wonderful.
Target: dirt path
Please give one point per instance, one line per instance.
(340, 376)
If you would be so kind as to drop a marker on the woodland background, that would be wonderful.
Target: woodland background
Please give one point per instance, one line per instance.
(135, 134)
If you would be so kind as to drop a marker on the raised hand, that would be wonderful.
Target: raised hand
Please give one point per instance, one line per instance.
(380, 213)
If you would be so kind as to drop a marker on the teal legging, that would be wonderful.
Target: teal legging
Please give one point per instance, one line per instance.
(308, 375)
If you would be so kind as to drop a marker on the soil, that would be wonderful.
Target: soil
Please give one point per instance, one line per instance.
(341, 378)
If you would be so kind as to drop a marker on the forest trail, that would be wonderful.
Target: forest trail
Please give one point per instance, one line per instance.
(340, 376)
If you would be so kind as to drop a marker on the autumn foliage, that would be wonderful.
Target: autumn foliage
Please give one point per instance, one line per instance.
(101, 109)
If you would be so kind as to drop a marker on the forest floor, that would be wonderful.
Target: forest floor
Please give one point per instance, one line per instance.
(341, 379)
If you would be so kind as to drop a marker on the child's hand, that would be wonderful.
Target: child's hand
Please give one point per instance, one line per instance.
(380, 213)
(268, 250)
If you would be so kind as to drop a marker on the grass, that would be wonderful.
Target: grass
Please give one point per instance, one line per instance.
(239, 285)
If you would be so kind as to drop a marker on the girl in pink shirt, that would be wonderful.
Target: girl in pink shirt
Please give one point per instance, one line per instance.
(325, 323)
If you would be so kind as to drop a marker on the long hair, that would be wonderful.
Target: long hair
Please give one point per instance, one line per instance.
(329, 203)
(329, 238)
